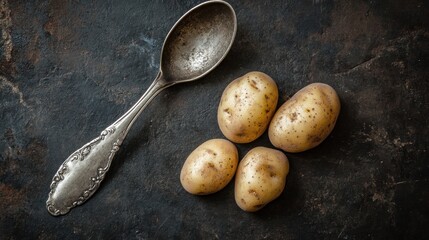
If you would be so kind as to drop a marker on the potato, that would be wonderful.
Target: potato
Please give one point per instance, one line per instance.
(210, 167)
(247, 106)
(260, 178)
(306, 119)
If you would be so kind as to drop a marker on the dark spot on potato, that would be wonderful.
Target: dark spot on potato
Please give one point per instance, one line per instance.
(293, 116)
(254, 193)
(258, 206)
(240, 134)
(243, 201)
(253, 85)
(266, 97)
(211, 152)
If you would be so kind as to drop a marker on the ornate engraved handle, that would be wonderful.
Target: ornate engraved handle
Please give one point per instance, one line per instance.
(82, 172)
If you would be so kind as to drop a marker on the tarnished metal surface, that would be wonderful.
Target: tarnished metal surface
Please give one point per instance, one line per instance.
(67, 67)
(198, 42)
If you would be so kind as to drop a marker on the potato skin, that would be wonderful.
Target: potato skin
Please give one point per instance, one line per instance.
(260, 178)
(210, 167)
(305, 120)
(247, 106)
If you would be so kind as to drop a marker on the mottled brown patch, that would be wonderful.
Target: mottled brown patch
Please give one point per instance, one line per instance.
(293, 117)
(254, 193)
(313, 139)
(49, 27)
(10, 197)
(5, 26)
(33, 53)
(6, 45)
(59, 22)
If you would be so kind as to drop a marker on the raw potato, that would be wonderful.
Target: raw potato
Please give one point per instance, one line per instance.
(260, 178)
(210, 167)
(306, 119)
(247, 106)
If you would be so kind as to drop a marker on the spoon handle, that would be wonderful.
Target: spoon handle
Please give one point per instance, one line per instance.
(82, 172)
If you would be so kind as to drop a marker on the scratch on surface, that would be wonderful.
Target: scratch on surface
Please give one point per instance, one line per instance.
(410, 181)
(6, 83)
(5, 24)
(342, 230)
(366, 63)
(317, 1)
(160, 226)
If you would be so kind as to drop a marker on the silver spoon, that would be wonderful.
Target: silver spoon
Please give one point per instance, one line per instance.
(195, 45)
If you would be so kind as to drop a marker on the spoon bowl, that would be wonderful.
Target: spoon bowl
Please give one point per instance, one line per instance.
(198, 42)
(195, 45)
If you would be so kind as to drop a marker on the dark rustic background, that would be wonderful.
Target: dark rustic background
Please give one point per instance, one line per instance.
(70, 68)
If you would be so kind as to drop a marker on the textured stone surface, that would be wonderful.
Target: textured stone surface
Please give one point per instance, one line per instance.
(70, 68)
